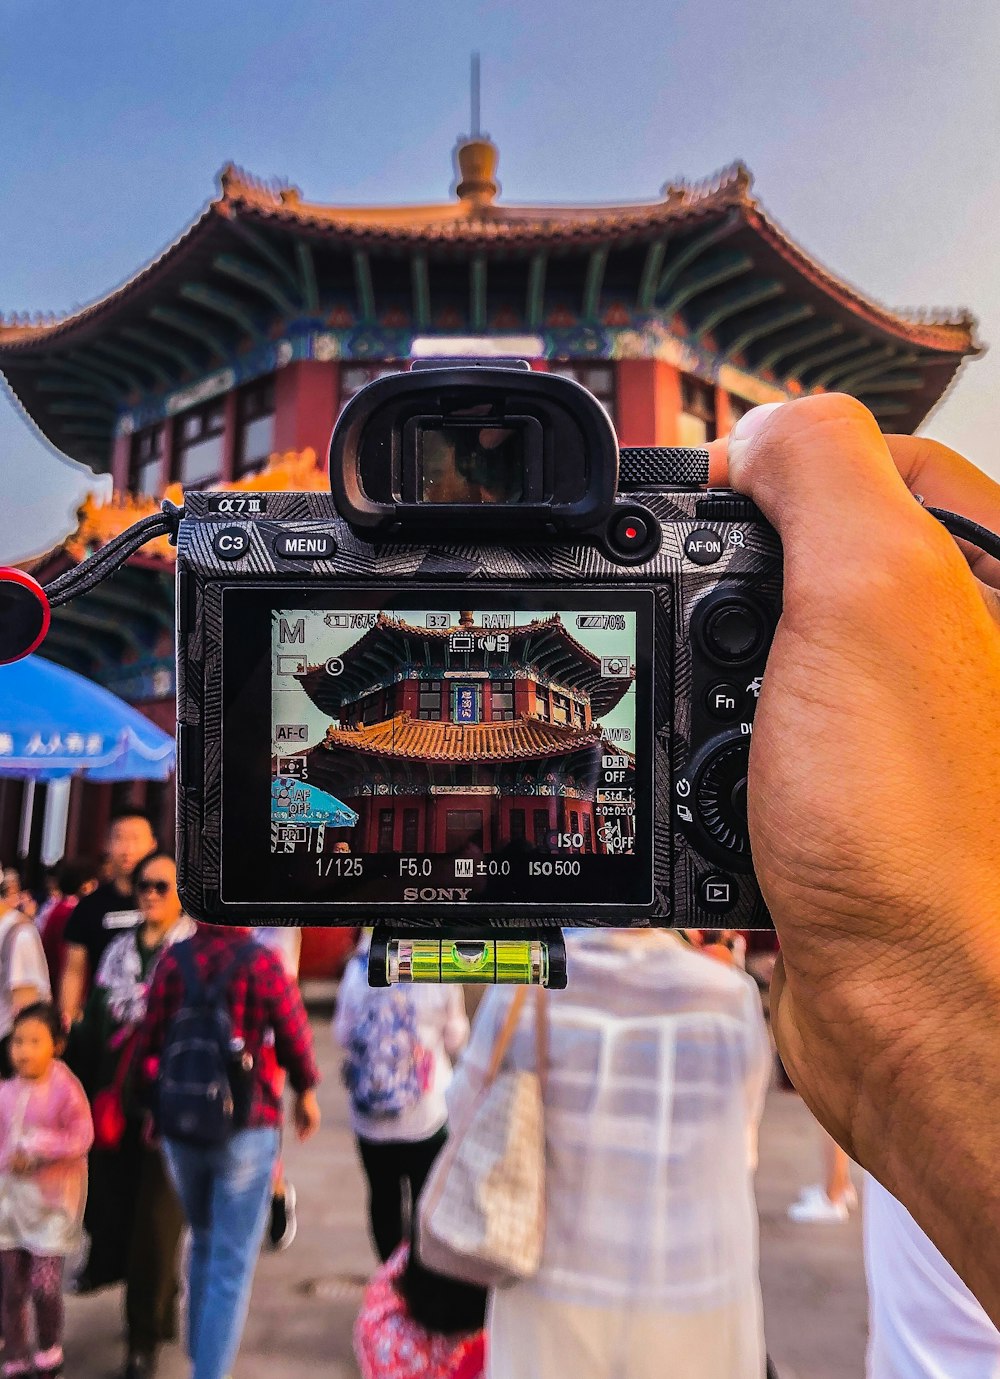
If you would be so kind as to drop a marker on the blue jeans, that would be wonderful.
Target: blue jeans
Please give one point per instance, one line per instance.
(225, 1193)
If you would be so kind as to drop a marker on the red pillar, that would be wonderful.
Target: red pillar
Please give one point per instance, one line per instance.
(649, 402)
(231, 435)
(167, 453)
(306, 402)
(121, 452)
(723, 415)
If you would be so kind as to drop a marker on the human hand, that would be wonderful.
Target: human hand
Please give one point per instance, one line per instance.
(874, 787)
(21, 1162)
(307, 1115)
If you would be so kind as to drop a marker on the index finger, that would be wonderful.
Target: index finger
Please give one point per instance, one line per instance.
(942, 477)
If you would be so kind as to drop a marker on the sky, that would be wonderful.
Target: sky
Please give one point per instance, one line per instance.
(872, 131)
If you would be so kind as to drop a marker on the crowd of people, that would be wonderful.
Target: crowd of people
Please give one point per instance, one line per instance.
(657, 1059)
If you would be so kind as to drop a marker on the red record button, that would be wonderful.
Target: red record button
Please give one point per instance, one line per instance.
(630, 533)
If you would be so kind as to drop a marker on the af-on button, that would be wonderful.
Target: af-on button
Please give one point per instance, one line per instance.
(703, 546)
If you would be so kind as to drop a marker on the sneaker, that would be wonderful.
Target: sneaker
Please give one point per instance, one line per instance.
(283, 1225)
(815, 1208)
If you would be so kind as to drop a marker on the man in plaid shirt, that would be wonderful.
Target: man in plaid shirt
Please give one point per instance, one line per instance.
(226, 1190)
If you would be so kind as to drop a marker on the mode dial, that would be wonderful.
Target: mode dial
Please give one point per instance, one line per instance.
(721, 793)
(712, 799)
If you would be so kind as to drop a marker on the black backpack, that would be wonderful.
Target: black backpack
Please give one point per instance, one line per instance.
(204, 1084)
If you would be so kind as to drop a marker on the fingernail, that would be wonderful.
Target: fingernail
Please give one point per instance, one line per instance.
(747, 427)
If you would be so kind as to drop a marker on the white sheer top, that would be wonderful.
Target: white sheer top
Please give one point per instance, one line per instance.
(658, 1064)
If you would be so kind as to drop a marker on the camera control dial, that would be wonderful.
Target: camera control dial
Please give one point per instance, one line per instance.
(714, 790)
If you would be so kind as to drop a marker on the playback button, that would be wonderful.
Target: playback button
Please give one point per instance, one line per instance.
(718, 894)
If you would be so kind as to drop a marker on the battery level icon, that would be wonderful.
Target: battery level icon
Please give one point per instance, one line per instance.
(591, 621)
(338, 619)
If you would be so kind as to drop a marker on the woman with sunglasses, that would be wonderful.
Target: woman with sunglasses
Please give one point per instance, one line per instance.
(134, 1217)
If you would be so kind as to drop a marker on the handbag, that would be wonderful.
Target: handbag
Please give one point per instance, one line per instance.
(390, 1344)
(481, 1213)
(108, 1108)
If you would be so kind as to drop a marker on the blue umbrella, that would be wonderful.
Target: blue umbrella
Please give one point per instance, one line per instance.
(55, 723)
(297, 802)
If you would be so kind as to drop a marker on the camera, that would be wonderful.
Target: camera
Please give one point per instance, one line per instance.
(502, 678)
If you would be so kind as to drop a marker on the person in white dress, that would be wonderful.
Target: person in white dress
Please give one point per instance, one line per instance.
(658, 1065)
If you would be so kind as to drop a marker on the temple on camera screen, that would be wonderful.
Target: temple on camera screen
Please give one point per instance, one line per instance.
(457, 734)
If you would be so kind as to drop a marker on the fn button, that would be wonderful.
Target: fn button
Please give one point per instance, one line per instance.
(725, 702)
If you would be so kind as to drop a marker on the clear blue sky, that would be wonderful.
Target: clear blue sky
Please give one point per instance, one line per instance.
(872, 129)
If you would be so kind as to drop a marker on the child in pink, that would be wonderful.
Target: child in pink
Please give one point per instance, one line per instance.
(45, 1132)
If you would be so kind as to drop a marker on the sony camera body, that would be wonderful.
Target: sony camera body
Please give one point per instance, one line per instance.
(502, 677)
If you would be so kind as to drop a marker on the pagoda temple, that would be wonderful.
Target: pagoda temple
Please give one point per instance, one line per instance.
(227, 359)
(484, 740)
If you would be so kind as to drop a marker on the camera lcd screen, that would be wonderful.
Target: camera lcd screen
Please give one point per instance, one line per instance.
(447, 745)
(463, 462)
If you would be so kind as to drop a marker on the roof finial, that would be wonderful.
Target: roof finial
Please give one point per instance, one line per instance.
(475, 95)
(476, 155)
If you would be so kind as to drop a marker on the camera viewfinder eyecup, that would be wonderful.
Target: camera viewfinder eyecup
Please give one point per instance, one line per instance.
(496, 450)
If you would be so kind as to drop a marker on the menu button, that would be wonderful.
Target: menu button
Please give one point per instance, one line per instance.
(305, 546)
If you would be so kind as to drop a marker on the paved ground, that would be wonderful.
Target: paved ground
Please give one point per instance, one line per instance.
(305, 1300)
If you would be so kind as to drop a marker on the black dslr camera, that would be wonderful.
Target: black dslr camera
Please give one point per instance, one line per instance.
(502, 679)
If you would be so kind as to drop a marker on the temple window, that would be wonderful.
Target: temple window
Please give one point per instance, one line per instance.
(696, 423)
(502, 700)
(598, 379)
(410, 824)
(588, 834)
(542, 705)
(560, 707)
(353, 377)
(371, 708)
(146, 462)
(199, 444)
(255, 426)
(517, 825)
(386, 819)
(430, 701)
(540, 819)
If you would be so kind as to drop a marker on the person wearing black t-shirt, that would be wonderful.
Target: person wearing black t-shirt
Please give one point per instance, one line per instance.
(101, 916)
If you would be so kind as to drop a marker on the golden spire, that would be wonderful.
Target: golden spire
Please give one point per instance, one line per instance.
(476, 157)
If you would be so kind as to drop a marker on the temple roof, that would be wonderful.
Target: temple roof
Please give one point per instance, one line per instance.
(393, 648)
(704, 260)
(404, 738)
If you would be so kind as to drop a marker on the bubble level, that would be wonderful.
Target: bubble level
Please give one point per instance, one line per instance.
(471, 962)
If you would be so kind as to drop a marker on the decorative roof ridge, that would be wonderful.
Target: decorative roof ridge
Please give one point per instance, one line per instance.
(236, 184)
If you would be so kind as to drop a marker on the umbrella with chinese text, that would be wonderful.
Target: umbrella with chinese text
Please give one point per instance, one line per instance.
(55, 723)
